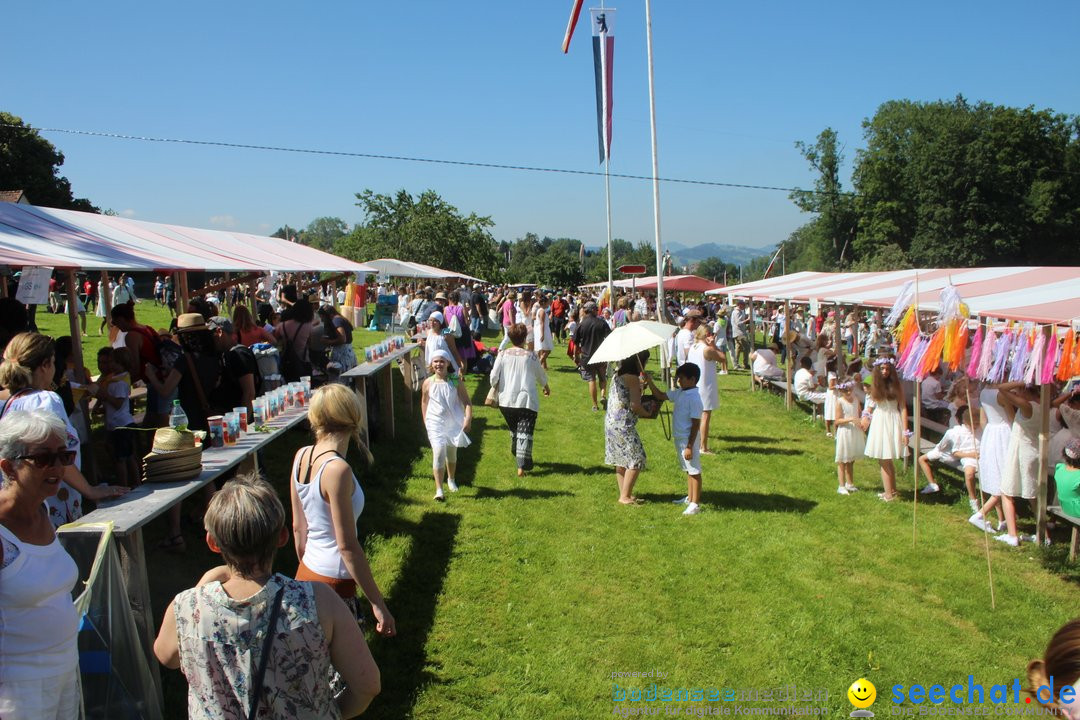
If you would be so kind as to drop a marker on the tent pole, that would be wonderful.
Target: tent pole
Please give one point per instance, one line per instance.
(753, 340)
(77, 358)
(253, 287)
(177, 294)
(1044, 444)
(787, 330)
(182, 294)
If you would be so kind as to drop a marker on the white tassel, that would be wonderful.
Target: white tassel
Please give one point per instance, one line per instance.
(903, 301)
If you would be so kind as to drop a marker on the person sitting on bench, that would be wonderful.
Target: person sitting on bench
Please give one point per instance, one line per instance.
(764, 363)
(958, 449)
(806, 386)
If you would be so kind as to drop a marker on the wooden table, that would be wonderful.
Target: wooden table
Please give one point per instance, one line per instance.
(382, 371)
(148, 501)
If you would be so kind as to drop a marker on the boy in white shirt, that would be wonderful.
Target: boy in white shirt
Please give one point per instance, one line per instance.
(958, 449)
(685, 424)
(114, 393)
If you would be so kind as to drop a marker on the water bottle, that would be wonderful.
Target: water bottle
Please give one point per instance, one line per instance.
(177, 418)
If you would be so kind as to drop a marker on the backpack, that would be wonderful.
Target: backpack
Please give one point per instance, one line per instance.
(292, 366)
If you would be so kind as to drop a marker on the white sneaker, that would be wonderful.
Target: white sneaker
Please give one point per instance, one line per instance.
(1002, 526)
(722, 372)
(930, 489)
(439, 496)
(692, 509)
(842, 491)
(1010, 540)
(974, 504)
(851, 488)
(451, 484)
(977, 521)
(681, 501)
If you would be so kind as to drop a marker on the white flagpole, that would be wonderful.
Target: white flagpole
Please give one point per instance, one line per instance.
(607, 163)
(660, 305)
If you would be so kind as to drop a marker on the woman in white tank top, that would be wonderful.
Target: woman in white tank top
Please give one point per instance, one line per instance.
(327, 501)
(705, 355)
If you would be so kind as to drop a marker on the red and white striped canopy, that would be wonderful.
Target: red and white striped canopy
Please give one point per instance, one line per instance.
(31, 235)
(1040, 294)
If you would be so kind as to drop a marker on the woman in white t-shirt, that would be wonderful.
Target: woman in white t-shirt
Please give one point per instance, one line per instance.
(25, 373)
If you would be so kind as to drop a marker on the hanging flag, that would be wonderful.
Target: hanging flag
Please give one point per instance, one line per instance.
(773, 261)
(574, 12)
(603, 43)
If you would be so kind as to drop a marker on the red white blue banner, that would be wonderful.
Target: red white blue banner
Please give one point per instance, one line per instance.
(603, 38)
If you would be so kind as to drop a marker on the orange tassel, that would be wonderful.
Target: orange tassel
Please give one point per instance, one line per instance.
(1065, 364)
(932, 358)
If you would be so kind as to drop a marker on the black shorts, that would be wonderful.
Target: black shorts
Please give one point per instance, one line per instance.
(594, 371)
(122, 442)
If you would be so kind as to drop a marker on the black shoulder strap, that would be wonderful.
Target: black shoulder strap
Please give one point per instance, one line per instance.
(260, 673)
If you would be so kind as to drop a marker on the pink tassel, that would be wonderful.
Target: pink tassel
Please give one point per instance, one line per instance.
(976, 350)
(1051, 359)
(986, 360)
(1033, 368)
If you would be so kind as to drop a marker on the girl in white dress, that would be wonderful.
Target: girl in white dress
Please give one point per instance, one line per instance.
(705, 355)
(525, 317)
(447, 413)
(542, 330)
(885, 440)
(996, 422)
(850, 441)
(1020, 473)
(830, 396)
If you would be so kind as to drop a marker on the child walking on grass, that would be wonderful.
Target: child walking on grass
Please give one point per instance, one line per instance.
(685, 425)
(447, 413)
(850, 441)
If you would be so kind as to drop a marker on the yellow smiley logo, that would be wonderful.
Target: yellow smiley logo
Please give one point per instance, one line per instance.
(862, 693)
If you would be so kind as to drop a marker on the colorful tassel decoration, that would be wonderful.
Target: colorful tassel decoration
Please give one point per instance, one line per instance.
(1033, 366)
(931, 359)
(976, 353)
(908, 328)
(1049, 359)
(986, 358)
(1021, 352)
(1001, 351)
(905, 300)
(1065, 366)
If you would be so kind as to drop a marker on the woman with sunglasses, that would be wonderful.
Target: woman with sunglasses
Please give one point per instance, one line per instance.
(39, 654)
(26, 374)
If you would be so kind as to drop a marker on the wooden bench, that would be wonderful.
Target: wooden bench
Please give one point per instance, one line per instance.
(1074, 543)
(812, 405)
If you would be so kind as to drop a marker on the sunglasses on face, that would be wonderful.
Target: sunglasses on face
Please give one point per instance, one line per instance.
(48, 458)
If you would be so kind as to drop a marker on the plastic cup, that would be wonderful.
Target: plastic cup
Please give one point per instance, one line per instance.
(289, 395)
(232, 428)
(242, 414)
(217, 431)
(258, 409)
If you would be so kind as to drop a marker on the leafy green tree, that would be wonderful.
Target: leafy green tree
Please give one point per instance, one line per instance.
(715, 269)
(951, 184)
(824, 241)
(321, 233)
(31, 163)
(423, 229)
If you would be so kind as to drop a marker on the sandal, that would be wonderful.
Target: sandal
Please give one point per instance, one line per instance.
(174, 544)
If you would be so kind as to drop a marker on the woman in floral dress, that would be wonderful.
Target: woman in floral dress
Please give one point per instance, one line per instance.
(622, 444)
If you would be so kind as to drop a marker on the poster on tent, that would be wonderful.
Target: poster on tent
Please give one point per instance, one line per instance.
(34, 285)
(813, 307)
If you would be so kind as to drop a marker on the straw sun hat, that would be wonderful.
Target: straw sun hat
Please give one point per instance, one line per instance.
(175, 456)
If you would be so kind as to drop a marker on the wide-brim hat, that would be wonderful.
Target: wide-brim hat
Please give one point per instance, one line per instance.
(790, 337)
(440, 296)
(190, 322)
(171, 444)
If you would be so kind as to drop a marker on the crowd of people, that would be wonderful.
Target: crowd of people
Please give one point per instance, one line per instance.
(250, 640)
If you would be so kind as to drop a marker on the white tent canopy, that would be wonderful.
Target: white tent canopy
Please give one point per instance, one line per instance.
(31, 235)
(1041, 294)
(405, 269)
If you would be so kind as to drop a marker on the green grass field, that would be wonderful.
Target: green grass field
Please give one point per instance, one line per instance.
(518, 598)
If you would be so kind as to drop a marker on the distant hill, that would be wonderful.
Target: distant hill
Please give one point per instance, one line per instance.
(735, 254)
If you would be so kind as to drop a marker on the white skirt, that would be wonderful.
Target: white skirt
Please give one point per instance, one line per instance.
(885, 440)
(850, 443)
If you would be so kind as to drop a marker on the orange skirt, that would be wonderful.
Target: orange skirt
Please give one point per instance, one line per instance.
(344, 587)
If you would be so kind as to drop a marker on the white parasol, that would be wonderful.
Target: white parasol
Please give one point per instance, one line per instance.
(632, 338)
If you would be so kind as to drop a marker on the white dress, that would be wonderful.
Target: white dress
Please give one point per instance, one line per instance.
(1020, 474)
(830, 398)
(542, 330)
(707, 388)
(445, 419)
(885, 440)
(850, 440)
(994, 443)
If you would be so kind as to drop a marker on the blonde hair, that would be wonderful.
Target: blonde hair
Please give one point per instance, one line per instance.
(703, 331)
(245, 519)
(1061, 661)
(24, 354)
(336, 409)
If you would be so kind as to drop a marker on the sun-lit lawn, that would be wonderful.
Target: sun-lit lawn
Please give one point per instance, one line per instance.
(520, 598)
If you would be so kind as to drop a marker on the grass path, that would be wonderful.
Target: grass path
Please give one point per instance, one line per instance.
(519, 598)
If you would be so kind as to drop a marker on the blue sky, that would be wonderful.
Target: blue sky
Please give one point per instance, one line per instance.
(737, 84)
